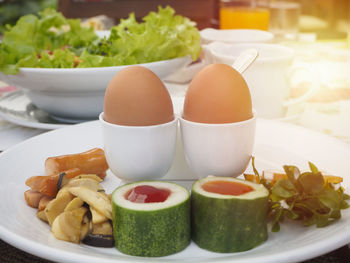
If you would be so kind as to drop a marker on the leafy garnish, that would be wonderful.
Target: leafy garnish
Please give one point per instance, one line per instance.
(309, 197)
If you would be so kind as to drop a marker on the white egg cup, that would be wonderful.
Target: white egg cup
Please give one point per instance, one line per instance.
(218, 149)
(136, 153)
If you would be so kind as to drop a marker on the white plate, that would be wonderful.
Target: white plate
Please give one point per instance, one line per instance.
(15, 107)
(277, 143)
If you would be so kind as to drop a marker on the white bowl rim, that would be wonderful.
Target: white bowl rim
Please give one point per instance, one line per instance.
(118, 126)
(212, 34)
(99, 69)
(289, 53)
(213, 125)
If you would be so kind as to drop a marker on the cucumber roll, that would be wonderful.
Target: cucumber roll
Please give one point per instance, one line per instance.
(228, 214)
(151, 218)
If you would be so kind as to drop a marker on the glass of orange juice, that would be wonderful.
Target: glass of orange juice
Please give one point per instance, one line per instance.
(244, 14)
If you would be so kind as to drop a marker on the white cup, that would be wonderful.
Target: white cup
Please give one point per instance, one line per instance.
(218, 149)
(136, 153)
(267, 77)
(232, 36)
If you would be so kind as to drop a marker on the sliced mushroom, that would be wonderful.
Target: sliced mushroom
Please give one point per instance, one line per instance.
(63, 191)
(42, 216)
(85, 182)
(74, 204)
(71, 223)
(56, 206)
(90, 176)
(85, 227)
(97, 217)
(57, 231)
(97, 200)
(104, 228)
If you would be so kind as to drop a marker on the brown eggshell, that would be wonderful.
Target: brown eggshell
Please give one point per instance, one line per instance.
(137, 97)
(218, 94)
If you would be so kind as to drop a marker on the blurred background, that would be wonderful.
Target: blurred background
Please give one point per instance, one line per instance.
(317, 30)
(326, 18)
(11, 10)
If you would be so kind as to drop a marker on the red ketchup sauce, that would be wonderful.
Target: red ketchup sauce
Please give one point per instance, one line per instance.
(226, 188)
(147, 194)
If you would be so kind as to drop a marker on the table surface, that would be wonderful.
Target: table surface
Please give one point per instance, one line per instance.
(11, 134)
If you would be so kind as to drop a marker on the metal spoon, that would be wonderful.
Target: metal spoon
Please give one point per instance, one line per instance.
(245, 59)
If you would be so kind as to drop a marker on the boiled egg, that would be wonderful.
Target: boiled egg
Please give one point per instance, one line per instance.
(137, 97)
(218, 94)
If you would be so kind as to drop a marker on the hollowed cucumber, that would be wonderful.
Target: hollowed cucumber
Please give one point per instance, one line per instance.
(151, 229)
(228, 223)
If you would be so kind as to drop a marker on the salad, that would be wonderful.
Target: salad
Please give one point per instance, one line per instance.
(50, 40)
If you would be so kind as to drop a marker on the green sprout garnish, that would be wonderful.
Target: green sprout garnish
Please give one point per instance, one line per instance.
(307, 197)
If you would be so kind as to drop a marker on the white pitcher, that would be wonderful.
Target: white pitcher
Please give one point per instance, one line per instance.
(266, 77)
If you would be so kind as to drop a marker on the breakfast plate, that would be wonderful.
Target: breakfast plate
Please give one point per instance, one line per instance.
(276, 144)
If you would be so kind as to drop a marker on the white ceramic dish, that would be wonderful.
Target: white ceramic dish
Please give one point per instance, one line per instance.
(218, 149)
(232, 36)
(151, 148)
(276, 144)
(16, 108)
(77, 93)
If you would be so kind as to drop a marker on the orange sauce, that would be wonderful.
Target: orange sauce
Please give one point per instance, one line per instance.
(226, 188)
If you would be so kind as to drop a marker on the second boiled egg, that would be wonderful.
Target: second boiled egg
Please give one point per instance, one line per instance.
(218, 94)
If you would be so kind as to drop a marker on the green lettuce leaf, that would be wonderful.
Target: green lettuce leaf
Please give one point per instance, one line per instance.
(49, 40)
(60, 58)
(26, 44)
(161, 36)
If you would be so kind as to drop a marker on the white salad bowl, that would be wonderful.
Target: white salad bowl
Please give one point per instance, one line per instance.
(76, 94)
